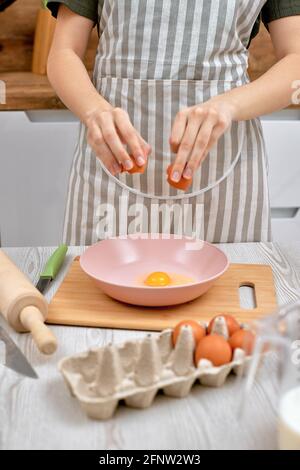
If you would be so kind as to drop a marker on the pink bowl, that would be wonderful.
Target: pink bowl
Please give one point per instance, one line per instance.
(117, 265)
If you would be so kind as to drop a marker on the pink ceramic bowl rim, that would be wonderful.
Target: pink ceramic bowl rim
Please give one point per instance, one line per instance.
(130, 286)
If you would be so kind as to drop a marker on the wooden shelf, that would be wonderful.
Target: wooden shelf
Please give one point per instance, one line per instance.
(27, 91)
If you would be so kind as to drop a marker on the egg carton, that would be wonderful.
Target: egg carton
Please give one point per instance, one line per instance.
(136, 370)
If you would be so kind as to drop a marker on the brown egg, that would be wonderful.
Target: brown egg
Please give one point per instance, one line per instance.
(243, 339)
(183, 184)
(215, 348)
(232, 324)
(198, 330)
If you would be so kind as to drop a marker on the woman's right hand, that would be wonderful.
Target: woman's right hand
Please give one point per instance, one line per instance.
(114, 139)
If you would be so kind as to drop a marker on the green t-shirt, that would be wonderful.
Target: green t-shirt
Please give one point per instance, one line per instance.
(272, 10)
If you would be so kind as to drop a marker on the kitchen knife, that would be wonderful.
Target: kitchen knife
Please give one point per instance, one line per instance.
(52, 268)
(14, 358)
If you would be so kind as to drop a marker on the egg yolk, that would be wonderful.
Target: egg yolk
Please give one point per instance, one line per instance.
(158, 279)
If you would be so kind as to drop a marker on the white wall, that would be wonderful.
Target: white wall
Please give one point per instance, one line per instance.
(35, 157)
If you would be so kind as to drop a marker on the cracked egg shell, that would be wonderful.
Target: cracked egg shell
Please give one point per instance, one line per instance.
(183, 184)
(135, 168)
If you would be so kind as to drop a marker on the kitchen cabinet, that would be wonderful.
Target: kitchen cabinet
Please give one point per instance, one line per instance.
(36, 152)
(282, 135)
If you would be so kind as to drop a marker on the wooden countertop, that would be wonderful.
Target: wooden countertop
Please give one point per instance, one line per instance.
(205, 419)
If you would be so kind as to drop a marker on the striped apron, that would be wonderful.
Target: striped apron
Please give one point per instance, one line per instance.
(154, 58)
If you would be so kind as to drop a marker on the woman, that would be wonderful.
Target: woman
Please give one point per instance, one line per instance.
(170, 85)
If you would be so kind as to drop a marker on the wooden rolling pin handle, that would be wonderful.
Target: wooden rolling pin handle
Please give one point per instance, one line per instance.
(33, 320)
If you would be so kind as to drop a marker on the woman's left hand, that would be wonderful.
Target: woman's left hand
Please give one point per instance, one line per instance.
(195, 131)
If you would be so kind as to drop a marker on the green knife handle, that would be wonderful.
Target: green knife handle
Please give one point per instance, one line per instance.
(55, 262)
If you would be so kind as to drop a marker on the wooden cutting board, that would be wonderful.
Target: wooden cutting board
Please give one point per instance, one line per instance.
(79, 301)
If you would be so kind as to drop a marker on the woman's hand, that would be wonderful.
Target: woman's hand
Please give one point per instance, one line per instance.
(109, 132)
(195, 131)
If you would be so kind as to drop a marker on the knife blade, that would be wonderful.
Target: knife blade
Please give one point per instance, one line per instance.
(52, 268)
(14, 358)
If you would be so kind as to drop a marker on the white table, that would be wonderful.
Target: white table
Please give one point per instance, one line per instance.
(40, 414)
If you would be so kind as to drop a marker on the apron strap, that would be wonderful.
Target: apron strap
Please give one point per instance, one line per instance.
(181, 196)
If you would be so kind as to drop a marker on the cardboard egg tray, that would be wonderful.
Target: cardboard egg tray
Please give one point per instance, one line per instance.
(136, 370)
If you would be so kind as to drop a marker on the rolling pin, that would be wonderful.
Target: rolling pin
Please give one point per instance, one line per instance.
(23, 306)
